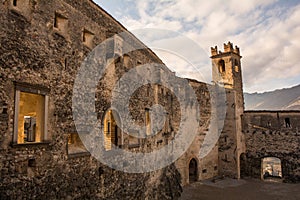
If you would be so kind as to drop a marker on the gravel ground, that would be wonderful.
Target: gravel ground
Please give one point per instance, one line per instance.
(249, 189)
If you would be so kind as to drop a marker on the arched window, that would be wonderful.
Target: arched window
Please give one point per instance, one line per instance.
(111, 130)
(221, 66)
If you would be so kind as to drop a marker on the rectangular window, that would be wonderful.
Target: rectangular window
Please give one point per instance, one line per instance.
(60, 23)
(147, 121)
(87, 38)
(287, 122)
(75, 144)
(30, 122)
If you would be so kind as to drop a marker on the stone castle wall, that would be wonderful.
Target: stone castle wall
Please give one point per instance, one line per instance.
(267, 135)
(207, 166)
(42, 45)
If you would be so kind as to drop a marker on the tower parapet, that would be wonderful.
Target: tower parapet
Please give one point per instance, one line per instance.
(214, 51)
(228, 48)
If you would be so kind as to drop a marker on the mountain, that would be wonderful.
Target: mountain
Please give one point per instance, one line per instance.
(283, 99)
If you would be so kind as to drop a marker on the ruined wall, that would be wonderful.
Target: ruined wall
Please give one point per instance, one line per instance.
(268, 135)
(43, 44)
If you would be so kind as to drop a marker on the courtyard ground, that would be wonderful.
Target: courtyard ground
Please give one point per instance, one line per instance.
(248, 189)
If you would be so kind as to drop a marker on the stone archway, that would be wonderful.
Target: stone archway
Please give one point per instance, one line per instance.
(271, 168)
(193, 170)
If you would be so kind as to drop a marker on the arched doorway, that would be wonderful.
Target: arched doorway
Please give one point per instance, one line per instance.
(271, 168)
(193, 171)
(243, 166)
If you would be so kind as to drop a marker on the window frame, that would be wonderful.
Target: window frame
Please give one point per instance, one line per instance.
(33, 89)
(222, 66)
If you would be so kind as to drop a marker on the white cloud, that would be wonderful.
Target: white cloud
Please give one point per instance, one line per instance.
(267, 32)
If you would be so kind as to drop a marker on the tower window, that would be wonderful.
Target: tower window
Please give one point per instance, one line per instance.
(222, 66)
(236, 65)
(15, 2)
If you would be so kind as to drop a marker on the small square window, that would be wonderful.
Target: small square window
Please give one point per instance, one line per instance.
(23, 7)
(30, 123)
(60, 23)
(75, 144)
(87, 38)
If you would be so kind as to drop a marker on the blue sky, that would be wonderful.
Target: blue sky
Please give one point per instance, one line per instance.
(267, 32)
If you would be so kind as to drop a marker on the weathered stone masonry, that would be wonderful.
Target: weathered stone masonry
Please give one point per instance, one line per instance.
(42, 45)
(268, 134)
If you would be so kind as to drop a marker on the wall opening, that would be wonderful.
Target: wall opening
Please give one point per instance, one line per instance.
(193, 171)
(31, 119)
(287, 122)
(31, 162)
(221, 66)
(15, 2)
(243, 165)
(111, 130)
(60, 22)
(126, 60)
(271, 168)
(87, 38)
(75, 144)
(236, 65)
(147, 121)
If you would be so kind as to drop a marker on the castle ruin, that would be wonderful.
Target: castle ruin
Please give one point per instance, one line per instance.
(43, 44)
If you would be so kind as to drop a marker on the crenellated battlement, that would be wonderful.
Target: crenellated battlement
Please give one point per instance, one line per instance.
(227, 49)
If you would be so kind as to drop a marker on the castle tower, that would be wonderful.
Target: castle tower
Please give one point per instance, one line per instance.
(226, 72)
(227, 66)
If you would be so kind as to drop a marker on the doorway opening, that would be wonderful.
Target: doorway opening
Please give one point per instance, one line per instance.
(193, 171)
(271, 168)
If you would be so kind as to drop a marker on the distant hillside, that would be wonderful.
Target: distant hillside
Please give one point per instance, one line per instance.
(284, 99)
